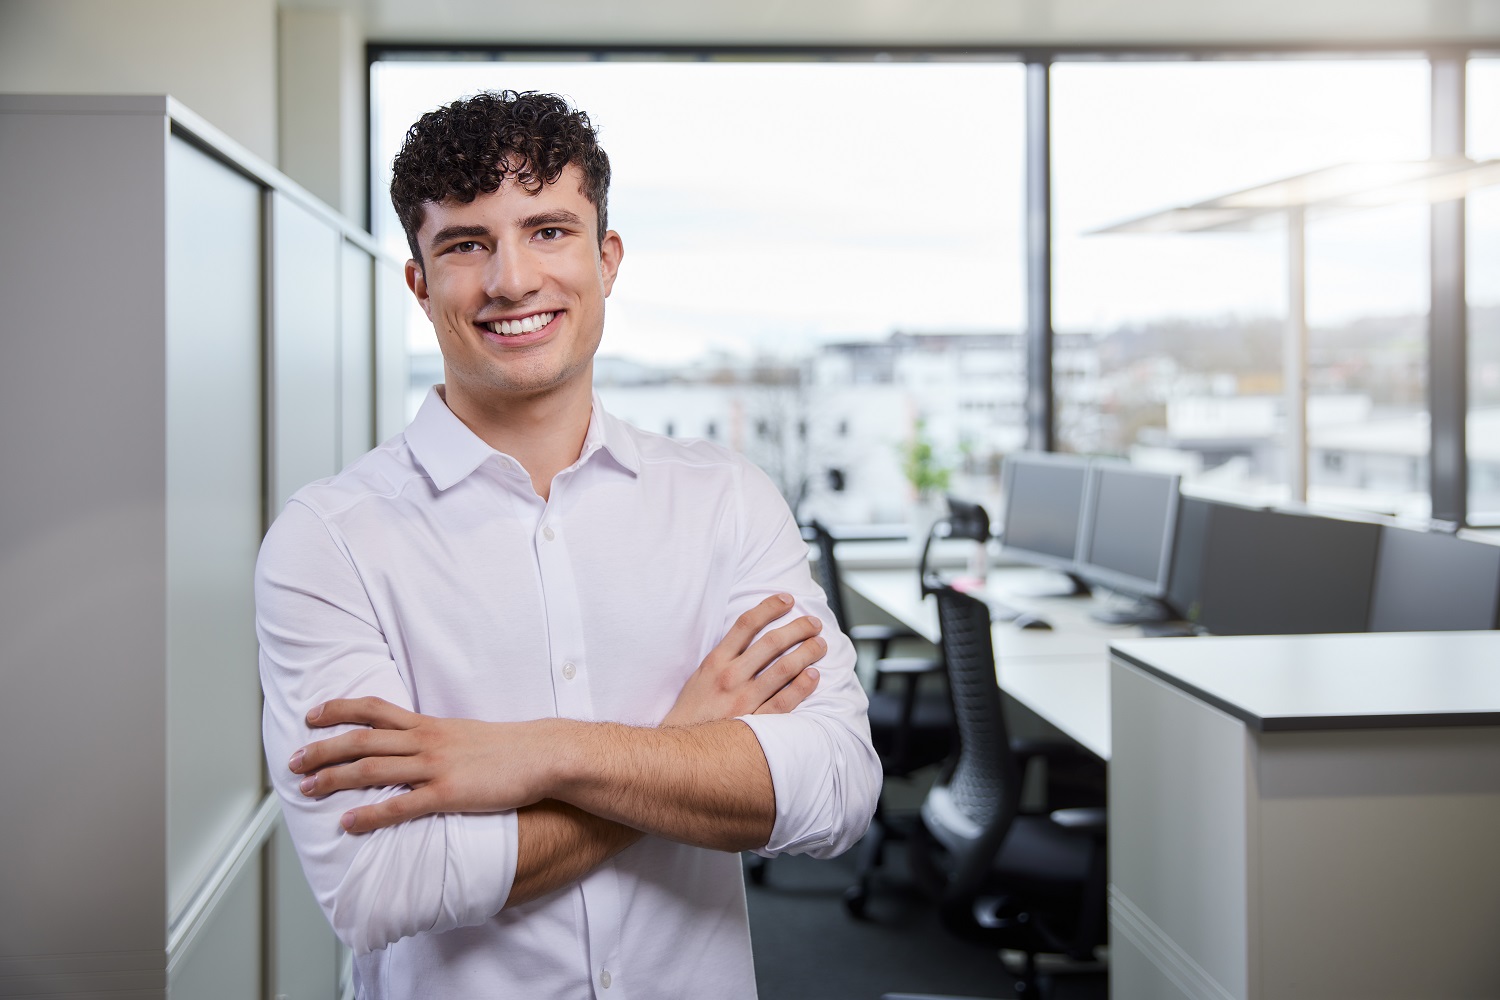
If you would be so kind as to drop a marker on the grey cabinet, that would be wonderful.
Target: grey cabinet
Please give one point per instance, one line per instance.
(187, 338)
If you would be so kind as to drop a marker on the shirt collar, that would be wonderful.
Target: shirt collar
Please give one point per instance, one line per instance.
(613, 435)
(449, 452)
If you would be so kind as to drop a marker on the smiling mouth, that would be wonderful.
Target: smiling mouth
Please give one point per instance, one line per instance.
(516, 327)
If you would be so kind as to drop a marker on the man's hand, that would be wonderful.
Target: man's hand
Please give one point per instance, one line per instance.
(769, 676)
(452, 765)
(464, 765)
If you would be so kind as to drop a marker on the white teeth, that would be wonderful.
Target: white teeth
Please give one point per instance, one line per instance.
(513, 327)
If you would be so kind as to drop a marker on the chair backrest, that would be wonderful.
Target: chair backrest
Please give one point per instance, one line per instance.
(985, 785)
(827, 570)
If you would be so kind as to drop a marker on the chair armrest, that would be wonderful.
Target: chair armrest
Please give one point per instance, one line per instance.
(1026, 748)
(1085, 820)
(879, 633)
(907, 665)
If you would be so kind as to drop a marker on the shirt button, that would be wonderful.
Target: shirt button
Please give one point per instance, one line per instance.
(548, 533)
(568, 671)
(605, 979)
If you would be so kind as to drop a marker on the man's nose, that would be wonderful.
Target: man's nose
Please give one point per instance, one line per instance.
(513, 274)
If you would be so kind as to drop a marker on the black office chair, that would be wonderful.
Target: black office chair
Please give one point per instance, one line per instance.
(1005, 879)
(911, 724)
(827, 571)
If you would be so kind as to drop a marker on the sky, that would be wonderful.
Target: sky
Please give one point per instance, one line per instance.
(767, 207)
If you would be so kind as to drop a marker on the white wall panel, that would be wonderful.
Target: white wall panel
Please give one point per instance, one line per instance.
(306, 958)
(356, 354)
(214, 510)
(390, 349)
(218, 56)
(225, 960)
(304, 349)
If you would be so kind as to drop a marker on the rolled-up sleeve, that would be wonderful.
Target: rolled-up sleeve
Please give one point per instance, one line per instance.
(319, 639)
(824, 770)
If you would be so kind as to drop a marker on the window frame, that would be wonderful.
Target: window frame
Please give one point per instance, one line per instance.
(1447, 361)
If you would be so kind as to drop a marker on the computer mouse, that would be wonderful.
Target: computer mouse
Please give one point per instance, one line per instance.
(1032, 621)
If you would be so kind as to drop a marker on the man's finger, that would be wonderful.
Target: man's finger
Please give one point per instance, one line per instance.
(370, 711)
(748, 625)
(792, 695)
(396, 809)
(352, 746)
(780, 673)
(777, 641)
(369, 772)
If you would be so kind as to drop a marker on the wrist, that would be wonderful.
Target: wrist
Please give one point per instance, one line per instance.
(563, 757)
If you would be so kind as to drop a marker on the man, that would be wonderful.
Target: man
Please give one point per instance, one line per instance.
(516, 706)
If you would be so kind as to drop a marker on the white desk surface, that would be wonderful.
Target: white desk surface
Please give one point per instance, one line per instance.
(1372, 680)
(1062, 675)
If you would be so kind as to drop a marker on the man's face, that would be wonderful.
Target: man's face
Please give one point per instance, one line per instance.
(514, 284)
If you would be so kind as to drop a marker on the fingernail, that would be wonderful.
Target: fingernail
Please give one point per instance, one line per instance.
(312, 716)
(347, 820)
(814, 622)
(812, 672)
(296, 760)
(785, 599)
(307, 784)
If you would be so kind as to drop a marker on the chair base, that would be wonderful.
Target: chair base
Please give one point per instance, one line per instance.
(884, 829)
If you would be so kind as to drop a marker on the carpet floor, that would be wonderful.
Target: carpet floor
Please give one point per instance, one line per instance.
(808, 948)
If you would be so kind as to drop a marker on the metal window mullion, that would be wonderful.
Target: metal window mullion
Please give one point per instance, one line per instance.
(1041, 416)
(1447, 333)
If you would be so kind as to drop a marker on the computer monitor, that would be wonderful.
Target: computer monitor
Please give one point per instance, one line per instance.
(1268, 572)
(1431, 582)
(1129, 521)
(1043, 508)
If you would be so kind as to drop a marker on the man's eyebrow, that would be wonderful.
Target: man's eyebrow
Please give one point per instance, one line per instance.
(457, 232)
(554, 217)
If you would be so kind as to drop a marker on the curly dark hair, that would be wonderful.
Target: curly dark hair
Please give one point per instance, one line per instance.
(469, 147)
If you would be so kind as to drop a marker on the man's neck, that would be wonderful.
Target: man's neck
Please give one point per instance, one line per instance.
(544, 432)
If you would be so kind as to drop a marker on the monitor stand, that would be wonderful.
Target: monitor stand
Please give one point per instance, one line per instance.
(1075, 586)
(1141, 611)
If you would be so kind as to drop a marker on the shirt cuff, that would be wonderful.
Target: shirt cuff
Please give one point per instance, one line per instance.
(482, 853)
(803, 760)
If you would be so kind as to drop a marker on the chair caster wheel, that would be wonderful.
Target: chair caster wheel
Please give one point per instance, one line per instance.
(757, 871)
(854, 901)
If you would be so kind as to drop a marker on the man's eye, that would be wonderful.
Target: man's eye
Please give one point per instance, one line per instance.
(467, 246)
(550, 233)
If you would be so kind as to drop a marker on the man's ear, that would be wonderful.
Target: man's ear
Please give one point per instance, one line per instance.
(611, 251)
(417, 282)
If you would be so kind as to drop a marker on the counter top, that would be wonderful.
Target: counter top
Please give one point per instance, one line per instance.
(1388, 680)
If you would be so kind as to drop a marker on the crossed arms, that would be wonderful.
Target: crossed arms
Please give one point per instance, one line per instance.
(584, 791)
(454, 819)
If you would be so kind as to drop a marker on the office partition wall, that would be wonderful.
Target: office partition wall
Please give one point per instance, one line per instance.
(188, 338)
(1269, 572)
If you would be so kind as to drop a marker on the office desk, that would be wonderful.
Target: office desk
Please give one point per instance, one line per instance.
(1305, 817)
(1062, 675)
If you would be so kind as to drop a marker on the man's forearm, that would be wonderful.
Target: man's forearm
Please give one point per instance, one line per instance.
(707, 784)
(558, 844)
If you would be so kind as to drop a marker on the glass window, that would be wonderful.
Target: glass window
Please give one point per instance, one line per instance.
(1483, 286)
(823, 259)
(1179, 335)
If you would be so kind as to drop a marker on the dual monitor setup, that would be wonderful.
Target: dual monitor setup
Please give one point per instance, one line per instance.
(1106, 524)
(1230, 569)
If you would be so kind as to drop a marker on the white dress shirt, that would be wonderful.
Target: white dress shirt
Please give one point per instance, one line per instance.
(429, 573)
